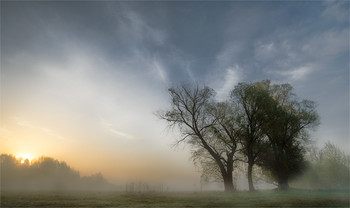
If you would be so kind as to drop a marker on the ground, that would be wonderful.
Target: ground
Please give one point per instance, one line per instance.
(292, 198)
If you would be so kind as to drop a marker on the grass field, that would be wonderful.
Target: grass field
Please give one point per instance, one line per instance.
(293, 198)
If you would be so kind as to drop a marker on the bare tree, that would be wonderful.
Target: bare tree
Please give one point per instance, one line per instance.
(205, 125)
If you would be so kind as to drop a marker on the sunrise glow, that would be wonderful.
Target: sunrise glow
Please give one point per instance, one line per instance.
(24, 156)
(83, 83)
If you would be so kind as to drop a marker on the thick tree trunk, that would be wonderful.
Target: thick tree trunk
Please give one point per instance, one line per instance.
(250, 177)
(228, 183)
(283, 183)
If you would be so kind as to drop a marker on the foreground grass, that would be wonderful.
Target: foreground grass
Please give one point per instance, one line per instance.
(293, 198)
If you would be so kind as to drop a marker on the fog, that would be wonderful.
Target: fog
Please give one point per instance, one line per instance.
(46, 174)
(80, 82)
(327, 169)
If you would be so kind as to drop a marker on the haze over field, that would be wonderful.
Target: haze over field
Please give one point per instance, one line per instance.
(81, 81)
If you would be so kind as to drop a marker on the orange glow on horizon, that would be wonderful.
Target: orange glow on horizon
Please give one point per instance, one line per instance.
(24, 156)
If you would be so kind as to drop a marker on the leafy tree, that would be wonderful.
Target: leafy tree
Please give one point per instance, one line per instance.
(252, 102)
(206, 126)
(266, 123)
(287, 122)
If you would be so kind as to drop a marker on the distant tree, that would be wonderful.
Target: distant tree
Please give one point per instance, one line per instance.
(252, 102)
(335, 166)
(206, 126)
(45, 173)
(10, 167)
(288, 120)
(327, 168)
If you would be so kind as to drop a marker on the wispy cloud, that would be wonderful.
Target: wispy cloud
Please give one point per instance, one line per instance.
(233, 76)
(189, 72)
(338, 10)
(119, 133)
(134, 29)
(296, 74)
(160, 71)
(230, 53)
(289, 59)
(265, 51)
(330, 42)
(110, 127)
(29, 124)
(227, 71)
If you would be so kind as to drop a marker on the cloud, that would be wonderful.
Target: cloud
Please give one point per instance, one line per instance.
(265, 52)
(119, 133)
(233, 76)
(227, 71)
(330, 42)
(160, 71)
(337, 10)
(29, 124)
(286, 58)
(189, 72)
(230, 53)
(73, 93)
(179, 64)
(297, 74)
(111, 128)
(134, 30)
(143, 42)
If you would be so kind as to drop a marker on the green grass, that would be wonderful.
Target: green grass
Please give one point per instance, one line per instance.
(292, 198)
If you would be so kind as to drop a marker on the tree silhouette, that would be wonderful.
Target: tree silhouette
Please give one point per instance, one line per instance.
(265, 123)
(207, 126)
(252, 102)
(288, 120)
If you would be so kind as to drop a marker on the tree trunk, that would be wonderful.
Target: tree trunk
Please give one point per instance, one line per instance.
(250, 176)
(228, 183)
(283, 183)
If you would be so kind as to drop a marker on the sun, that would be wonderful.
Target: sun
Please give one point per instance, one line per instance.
(24, 156)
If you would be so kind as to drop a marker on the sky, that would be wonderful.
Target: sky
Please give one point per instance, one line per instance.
(81, 81)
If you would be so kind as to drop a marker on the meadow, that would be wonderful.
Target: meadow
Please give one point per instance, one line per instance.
(268, 198)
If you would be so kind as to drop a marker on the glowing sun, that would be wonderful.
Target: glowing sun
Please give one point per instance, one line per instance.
(24, 156)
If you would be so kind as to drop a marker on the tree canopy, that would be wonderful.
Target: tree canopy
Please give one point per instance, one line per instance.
(262, 123)
(286, 128)
(253, 103)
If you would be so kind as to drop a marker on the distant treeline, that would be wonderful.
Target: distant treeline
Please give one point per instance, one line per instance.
(46, 173)
(327, 168)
